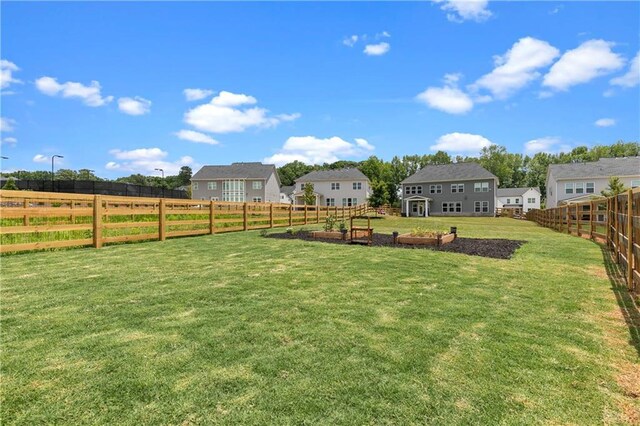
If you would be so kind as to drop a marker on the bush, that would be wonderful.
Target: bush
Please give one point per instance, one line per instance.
(330, 223)
(10, 185)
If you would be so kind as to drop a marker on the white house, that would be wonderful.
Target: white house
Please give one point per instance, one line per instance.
(567, 182)
(341, 187)
(519, 198)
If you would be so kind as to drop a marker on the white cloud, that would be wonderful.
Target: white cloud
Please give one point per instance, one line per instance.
(193, 136)
(591, 59)
(632, 77)
(7, 124)
(548, 144)
(90, 95)
(377, 49)
(196, 94)
(134, 106)
(517, 67)
(9, 141)
(449, 98)
(39, 158)
(605, 122)
(313, 150)
(460, 142)
(350, 41)
(465, 10)
(146, 160)
(224, 115)
(7, 68)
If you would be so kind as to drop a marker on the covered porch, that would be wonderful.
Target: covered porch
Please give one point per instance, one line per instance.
(298, 198)
(416, 206)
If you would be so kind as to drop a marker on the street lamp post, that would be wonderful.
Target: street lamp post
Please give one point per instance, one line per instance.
(53, 157)
(4, 158)
(162, 171)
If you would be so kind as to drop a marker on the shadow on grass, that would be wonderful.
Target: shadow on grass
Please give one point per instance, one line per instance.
(625, 299)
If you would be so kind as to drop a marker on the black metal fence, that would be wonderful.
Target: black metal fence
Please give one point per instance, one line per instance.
(97, 187)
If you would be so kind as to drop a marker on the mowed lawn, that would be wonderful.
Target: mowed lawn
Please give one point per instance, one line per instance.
(238, 328)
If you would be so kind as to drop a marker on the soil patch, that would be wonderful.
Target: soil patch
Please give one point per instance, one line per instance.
(486, 247)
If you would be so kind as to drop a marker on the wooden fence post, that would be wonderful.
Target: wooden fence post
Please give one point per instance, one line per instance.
(305, 214)
(317, 213)
(26, 216)
(212, 217)
(578, 217)
(630, 239)
(591, 220)
(290, 214)
(271, 215)
(162, 232)
(97, 221)
(616, 225)
(245, 223)
(568, 214)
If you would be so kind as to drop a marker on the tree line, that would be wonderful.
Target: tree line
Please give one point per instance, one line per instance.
(512, 169)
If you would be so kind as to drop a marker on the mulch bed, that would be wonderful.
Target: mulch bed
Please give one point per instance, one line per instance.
(486, 247)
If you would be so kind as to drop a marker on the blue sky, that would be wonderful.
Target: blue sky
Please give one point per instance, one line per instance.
(104, 83)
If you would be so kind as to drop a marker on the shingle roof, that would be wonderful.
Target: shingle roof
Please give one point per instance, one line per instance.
(287, 190)
(450, 172)
(236, 171)
(338, 174)
(513, 192)
(604, 167)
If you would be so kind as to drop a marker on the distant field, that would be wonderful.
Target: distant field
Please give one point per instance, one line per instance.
(237, 328)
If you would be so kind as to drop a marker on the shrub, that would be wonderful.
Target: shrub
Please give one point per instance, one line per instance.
(263, 233)
(342, 226)
(330, 223)
(10, 184)
(422, 232)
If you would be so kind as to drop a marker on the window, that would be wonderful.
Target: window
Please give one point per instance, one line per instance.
(634, 183)
(452, 207)
(331, 202)
(257, 199)
(413, 189)
(357, 185)
(457, 187)
(517, 200)
(256, 184)
(302, 187)
(579, 188)
(212, 185)
(590, 187)
(233, 190)
(531, 200)
(435, 189)
(508, 200)
(194, 186)
(214, 199)
(348, 202)
(568, 188)
(481, 206)
(335, 186)
(481, 187)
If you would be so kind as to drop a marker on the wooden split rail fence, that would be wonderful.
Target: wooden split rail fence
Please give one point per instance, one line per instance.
(614, 221)
(40, 220)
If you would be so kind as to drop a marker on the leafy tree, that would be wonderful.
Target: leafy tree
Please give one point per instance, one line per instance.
(308, 197)
(292, 171)
(440, 157)
(184, 176)
(66, 174)
(86, 174)
(10, 184)
(615, 187)
(379, 193)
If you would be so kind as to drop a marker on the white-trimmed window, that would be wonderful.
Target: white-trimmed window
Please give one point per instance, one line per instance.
(435, 189)
(412, 190)
(579, 187)
(233, 190)
(568, 188)
(194, 186)
(335, 186)
(590, 187)
(517, 201)
(508, 200)
(357, 185)
(481, 206)
(331, 202)
(481, 187)
(257, 199)
(452, 207)
(531, 200)
(212, 186)
(457, 187)
(256, 184)
(348, 202)
(634, 183)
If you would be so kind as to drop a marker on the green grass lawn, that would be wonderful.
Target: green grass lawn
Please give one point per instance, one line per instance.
(237, 328)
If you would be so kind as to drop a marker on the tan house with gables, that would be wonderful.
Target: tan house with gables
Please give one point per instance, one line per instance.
(239, 182)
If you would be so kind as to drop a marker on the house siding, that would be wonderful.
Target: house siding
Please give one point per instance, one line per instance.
(556, 188)
(324, 191)
(270, 191)
(467, 198)
(524, 204)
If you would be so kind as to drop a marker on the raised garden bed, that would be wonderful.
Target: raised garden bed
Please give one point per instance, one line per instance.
(426, 240)
(329, 235)
(486, 247)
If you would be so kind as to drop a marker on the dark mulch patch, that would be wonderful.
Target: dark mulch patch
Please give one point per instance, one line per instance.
(486, 247)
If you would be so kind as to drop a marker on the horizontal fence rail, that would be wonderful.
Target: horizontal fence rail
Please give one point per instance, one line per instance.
(614, 221)
(41, 220)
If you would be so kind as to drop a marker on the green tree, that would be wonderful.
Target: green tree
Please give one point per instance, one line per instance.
(86, 174)
(292, 171)
(10, 184)
(66, 174)
(184, 176)
(615, 187)
(308, 197)
(379, 193)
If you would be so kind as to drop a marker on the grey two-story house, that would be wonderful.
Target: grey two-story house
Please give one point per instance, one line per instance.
(458, 189)
(239, 182)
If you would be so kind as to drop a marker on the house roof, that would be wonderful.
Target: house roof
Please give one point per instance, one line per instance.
(514, 192)
(337, 175)
(450, 172)
(287, 190)
(236, 171)
(603, 168)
